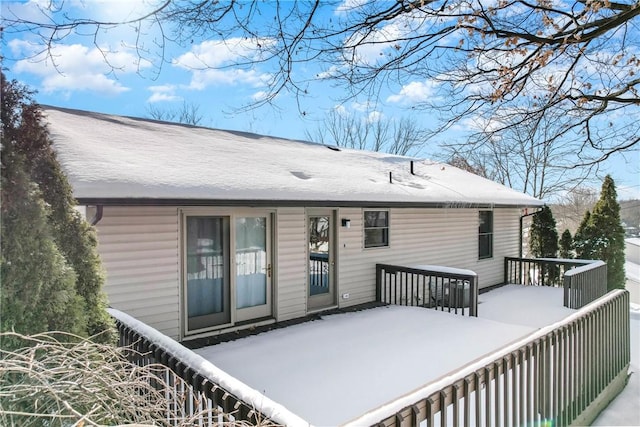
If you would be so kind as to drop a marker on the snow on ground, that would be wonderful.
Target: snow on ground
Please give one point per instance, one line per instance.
(535, 306)
(332, 370)
(632, 271)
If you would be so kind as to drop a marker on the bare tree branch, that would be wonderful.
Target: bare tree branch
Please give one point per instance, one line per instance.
(347, 129)
(579, 60)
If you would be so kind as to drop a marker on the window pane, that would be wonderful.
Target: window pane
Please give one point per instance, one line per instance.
(319, 250)
(251, 261)
(376, 219)
(484, 246)
(486, 221)
(376, 229)
(206, 265)
(485, 234)
(376, 237)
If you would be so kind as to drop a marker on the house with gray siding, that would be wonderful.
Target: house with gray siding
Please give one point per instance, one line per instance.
(205, 231)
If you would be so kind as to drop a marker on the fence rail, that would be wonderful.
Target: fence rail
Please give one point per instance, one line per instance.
(440, 288)
(559, 375)
(583, 280)
(204, 385)
(585, 284)
(539, 271)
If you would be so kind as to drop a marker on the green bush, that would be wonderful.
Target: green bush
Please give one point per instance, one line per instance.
(51, 273)
(601, 235)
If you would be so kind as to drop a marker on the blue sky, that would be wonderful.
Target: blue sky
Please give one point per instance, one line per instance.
(81, 79)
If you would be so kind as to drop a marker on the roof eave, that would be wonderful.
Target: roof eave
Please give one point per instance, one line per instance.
(107, 201)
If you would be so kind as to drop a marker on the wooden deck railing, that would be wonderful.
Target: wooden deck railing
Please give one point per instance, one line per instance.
(560, 375)
(583, 280)
(585, 284)
(539, 271)
(440, 288)
(202, 385)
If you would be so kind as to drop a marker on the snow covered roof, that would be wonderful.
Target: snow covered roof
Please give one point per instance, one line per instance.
(111, 159)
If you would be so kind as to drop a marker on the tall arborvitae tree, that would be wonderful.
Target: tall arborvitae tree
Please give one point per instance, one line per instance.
(38, 286)
(543, 237)
(584, 238)
(75, 238)
(609, 243)
(566, 245)
(27, 156)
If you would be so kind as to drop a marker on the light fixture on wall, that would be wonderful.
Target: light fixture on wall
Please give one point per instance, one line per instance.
(346, 223)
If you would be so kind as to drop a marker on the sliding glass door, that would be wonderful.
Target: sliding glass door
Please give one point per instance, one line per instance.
(227, 269)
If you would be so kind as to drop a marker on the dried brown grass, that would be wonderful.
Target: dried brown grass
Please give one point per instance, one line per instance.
(58, 379)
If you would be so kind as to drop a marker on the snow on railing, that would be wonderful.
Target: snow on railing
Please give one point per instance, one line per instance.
(561, 375)
(442, 288)
(208, 386)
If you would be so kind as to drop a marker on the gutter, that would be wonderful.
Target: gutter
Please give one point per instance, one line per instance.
(522, 238)
(98, 216)
(138, 201)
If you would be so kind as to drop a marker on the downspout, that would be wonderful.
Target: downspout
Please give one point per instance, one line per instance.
(98, 216)
(522, 237)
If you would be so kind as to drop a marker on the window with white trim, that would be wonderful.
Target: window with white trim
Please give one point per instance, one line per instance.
(376, 229)
(485, 235)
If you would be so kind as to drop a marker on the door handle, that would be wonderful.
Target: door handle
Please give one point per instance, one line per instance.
(269, 270)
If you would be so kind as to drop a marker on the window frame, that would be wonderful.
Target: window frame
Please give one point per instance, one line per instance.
(485, 236)
(386, 227)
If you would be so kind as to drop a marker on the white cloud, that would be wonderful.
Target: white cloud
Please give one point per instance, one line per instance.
(163, 93)
(331, 72)
(30, 11)
(350, 5)
(207, 61)
(201, 79)
(259, 96)
(162, 97)
(45, 12)
(341, 109)
(375, 116)
(116, 10)
(361, 106)
(75, 67)
(414, 92)
(385, 42)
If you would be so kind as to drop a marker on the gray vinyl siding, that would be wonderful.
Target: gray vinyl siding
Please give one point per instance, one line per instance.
(506, 240)
(447, 237)
(139, 250)
(291, 283)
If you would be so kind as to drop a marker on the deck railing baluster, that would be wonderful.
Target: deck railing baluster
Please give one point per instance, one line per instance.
(557, 375)
(443, 290)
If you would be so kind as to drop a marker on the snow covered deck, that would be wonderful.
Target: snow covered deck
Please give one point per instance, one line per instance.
(332, 370)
